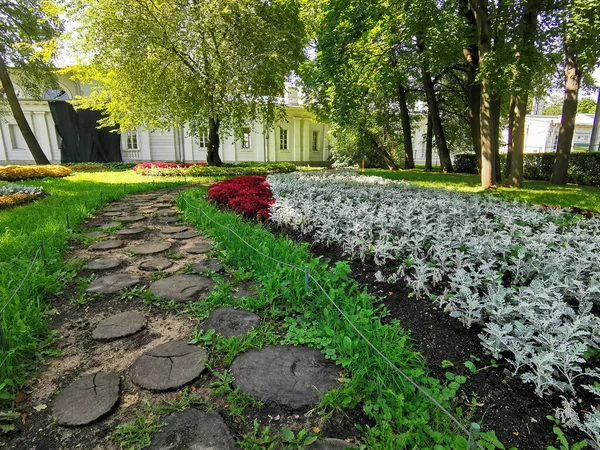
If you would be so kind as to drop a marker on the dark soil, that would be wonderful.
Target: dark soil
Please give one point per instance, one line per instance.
(490, 396)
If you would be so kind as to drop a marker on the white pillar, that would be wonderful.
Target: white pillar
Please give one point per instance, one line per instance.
(306, 141)
(297, 139)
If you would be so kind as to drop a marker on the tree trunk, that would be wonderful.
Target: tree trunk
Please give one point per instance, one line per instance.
(436, 120)
(488, 164)
(471, 54)
(567, 124)
(15, 106)
(595, 138)
(429, 145)
(212, 154)
(409, 160)
(518, 106)
(389, 161)
(496, 104)
(511, 130)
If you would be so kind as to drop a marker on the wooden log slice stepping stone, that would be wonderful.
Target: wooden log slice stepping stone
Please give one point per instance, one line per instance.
(165, 213)
(149, 248)
(112, 214)
(168, 366)
(130, 218)
(193, 429)
(173, 230)
(87, 399)
(119, 325)
(130, 232)
(103, 263)
(207, 265)
(112, 283)
(185, 235)
(96, 234)
(199, 248)
(168, 219)
(230, 322)
(329, 444)
(116, 209)
(105, 245)
(183, 288)
(111, 225)
(155, 264)
(291, 376)
(245, 289)
(163, 205)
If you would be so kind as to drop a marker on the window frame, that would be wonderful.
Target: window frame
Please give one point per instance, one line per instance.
(131, 138)
(246, 138)
(283, 139)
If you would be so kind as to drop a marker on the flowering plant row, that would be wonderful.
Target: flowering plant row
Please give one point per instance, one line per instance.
(163, 168)
(250, 196)
(16, 194)
(528, 276)
(15, 173)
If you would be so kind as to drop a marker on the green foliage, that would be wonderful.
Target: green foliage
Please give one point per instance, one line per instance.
(28, 43)
(295, 441)
(258, 439)
(584, 105)
(562, 439)
(584, 168)
(248, 168)
(222, 60)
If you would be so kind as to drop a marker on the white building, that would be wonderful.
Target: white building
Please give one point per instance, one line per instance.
(299, 138)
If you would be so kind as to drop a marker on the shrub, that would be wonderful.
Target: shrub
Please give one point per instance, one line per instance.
(8, 201)
(15, 173)
(250, 196)
(163, 169)
(465, 163)
(243, 168)
(584, 167)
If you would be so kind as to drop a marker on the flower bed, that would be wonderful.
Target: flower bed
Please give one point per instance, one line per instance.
(164, 168)
(250, 196)
(15, 173)
(528, 276)
(15, 194)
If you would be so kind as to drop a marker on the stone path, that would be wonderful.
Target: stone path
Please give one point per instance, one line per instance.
(144, 245)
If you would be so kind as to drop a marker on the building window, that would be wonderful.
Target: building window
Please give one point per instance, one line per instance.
(246, 137)
(283, 139)
(131, 140)
(315, 141)
(203, 140)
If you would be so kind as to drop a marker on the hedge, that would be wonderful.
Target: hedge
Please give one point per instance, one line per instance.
(584, 168)
(15, 173)
(202, 170)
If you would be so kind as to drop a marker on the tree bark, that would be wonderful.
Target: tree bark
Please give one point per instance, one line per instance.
(511, 129)
(488, 163)
(471, 54)
(409, 160)
(30, 139)
(496, 104)
(389, 161)
(567, 124)
(518, 107)
(438, 128)
(429, 145)
(212, 154)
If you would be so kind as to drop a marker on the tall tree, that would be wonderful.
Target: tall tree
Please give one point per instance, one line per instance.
(581, 43)
(28, 30)
(215, 64)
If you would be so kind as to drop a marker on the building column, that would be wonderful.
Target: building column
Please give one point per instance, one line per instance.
(306, 141)
(297, 139)
(145, 148)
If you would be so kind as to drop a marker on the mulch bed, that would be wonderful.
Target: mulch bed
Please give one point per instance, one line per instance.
(492, 396)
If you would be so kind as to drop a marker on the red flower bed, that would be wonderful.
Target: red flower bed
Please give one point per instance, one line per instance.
(250, 196)
(160, 165)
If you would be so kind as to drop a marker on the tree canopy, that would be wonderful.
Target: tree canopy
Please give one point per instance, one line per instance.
(28, 31)
(215, 64)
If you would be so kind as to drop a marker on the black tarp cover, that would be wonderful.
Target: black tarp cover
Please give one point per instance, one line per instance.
(82, 141)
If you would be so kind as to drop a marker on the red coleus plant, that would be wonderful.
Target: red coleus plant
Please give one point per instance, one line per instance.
(250, 196)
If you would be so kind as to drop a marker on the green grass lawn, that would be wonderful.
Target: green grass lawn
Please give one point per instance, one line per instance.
(534, 192)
